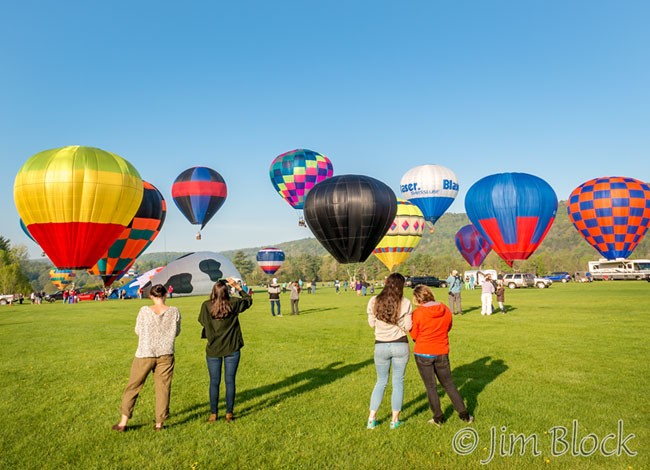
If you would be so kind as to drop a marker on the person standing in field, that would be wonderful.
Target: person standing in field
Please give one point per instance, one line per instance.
(274, 296)
(487, 289)
(430, 331)
(157, 327)
(294, 297)
(501, 295)
(219, 317)
(389, 313)
(455, 286)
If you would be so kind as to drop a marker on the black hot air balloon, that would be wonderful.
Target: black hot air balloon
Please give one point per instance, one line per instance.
(349, 215)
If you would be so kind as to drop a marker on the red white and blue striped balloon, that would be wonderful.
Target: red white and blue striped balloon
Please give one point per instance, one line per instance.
(270, 259)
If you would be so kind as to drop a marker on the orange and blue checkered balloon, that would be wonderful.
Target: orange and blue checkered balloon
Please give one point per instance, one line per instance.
(294, 173)
(612, 213)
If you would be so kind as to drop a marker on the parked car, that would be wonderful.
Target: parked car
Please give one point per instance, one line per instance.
(58, 295)
(91, 295)
(431, 281)
(6, 299)
(559, 277)
(515, 280)
(543, 282)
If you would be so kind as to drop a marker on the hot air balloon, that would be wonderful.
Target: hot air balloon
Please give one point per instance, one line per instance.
(403, 235)
(611, 213)
(270, 259)
(194, 273)
(430, 187)
(473, 246)
(75, 201)
(24, 228)
(294, 173)
(62, 277)
(349, 215)
(199, 192)
(135, 238)
(514, 211)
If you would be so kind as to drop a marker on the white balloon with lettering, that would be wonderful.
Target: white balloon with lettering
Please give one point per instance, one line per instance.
(432, 188)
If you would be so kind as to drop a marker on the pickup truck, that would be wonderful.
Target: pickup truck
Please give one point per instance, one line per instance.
(6, 299)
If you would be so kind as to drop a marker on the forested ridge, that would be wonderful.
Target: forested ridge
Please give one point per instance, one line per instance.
(563, 249)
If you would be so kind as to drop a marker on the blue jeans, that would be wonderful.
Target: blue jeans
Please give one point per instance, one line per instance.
(386, 354)
(275, 303)
(231, 363)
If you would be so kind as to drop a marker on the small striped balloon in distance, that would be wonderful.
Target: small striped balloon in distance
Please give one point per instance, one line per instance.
(62, 277)
(270, 259)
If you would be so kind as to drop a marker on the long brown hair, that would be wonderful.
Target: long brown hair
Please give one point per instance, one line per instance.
(388, 303)
(220, 298)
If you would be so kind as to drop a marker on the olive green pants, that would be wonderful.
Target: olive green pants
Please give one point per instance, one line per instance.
(163, 371)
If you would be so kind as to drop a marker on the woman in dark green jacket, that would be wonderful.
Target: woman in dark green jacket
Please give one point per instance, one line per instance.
(220, 319)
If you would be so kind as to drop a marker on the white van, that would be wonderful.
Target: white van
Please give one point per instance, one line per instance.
(479, 275)
(620, 269)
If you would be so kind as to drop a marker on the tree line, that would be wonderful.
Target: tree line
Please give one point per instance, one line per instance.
(563, 249)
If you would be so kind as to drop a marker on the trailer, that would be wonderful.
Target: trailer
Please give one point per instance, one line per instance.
(620, 269)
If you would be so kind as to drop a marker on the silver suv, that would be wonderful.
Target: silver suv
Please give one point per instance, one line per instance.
(518, 280)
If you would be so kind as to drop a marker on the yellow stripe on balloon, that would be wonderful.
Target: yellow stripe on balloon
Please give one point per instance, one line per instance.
(80, 196)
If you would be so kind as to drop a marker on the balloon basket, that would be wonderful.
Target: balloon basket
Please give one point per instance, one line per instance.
(198, 235)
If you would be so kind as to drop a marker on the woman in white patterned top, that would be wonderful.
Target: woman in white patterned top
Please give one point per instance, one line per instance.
(157, 327)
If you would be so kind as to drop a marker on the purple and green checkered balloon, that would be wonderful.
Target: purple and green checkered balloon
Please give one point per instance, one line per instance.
(294, 173)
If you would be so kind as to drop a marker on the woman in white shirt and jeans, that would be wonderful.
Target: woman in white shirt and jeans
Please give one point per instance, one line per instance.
(389, 313)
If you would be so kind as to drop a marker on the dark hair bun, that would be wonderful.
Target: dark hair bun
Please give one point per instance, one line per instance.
(158, 291)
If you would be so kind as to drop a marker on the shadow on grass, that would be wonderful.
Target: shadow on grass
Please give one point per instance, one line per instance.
(316, 310)
(470, 380)
(274, 393)
(303, 382)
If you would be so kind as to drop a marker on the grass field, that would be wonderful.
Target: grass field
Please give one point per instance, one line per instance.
(566, 370)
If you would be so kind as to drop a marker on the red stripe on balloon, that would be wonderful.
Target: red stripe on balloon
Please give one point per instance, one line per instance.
(199, 188)
(75, 245)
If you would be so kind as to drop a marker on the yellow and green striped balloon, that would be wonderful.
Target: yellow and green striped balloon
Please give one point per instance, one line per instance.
(76, 201)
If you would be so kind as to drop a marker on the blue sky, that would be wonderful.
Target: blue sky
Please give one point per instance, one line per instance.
(558, 89)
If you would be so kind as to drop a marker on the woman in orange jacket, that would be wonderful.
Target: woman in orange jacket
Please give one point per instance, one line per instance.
(431, 324)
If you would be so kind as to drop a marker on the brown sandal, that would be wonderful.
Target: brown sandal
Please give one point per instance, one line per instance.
(118, 428)
(213, 417)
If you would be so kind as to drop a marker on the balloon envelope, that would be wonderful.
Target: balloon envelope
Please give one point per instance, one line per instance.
(199, 192)
(270, 259)
(135, 238)
(514, 211)
(403, 235)
(473, 246)
(62, 277)
(75, 201)
(194, 273)
(294, 173)
(349, 215)
(22, 226)
(611, 213)
(432, 188)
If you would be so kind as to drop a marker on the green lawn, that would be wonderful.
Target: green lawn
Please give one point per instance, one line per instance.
(574, 355)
